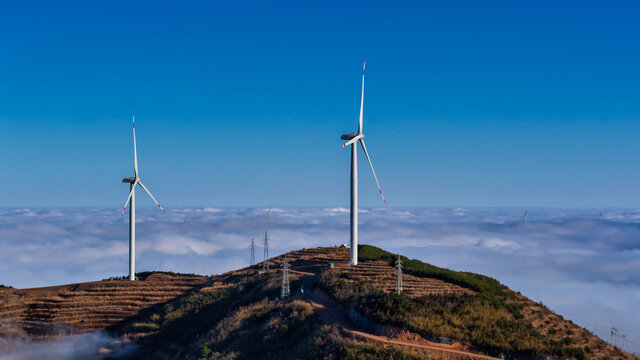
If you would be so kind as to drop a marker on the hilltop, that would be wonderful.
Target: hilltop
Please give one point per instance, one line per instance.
(335, 311)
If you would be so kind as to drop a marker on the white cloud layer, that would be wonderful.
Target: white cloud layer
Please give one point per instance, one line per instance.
(583, 267)
(93, 345)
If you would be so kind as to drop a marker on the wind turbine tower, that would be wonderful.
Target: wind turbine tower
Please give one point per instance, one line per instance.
(284, 290)
(526, 215)
(133, 182)
(398, 275)
(253, 252)
(352, 138)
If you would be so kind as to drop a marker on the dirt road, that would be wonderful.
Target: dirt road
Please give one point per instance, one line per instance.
(331, 313)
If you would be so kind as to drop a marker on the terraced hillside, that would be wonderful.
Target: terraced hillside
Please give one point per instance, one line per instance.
(377, 273)
(92, 305)
(475, 310)
(381, 275)
(442, 314)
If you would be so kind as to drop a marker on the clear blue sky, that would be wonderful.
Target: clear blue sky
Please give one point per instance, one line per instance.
(243, 104)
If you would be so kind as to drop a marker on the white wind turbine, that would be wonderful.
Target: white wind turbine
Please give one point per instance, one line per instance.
(133, 181)
(352, 139)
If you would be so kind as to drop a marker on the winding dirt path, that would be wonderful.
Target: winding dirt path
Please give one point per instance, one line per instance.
(436, 348)
(329, 311)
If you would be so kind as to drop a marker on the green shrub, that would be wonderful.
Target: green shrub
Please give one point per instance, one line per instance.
(205, 351)
(487, 286)
(489, 318)
(145, 326)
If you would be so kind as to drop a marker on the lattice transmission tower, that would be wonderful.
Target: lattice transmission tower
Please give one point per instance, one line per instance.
(284, 291)
(253, 252)
(398, 275)
(265, 264)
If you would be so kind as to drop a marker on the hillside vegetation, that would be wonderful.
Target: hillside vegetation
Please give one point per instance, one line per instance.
(336, 311)
(247, 321)
(492, 317)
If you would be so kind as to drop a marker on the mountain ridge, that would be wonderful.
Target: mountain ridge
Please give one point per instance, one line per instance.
(336, 311)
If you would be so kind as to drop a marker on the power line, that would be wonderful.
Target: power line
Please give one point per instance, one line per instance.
(600, 325)
(633, 343)
(596, 322)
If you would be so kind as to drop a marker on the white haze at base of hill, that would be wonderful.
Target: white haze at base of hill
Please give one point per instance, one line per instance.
(93, 345)
(585, 268)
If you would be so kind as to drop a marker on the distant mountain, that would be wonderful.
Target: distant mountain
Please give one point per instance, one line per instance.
(335, 311)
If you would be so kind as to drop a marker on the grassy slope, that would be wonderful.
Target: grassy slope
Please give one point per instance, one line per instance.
(240, 318)
(246, 322)
(490, 318)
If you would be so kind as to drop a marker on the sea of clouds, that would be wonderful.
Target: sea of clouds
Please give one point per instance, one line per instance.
(87, 346)
(583, 267)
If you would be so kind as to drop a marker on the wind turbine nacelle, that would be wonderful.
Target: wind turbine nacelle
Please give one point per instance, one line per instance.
(129, 180)
(348, 136)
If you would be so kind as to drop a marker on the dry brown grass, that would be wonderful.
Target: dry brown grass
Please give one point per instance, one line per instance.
(557, 328)
(93, 305)
(379, 274)
(102, 304)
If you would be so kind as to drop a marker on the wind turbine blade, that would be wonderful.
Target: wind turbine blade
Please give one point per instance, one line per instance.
(355, 138)
(154, 199)
(135, 151)
(129, 198)
(361, 99)
(373, 171)
(269, 212)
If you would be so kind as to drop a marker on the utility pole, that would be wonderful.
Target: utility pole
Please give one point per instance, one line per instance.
(398, 275)
(265, 264)
(253, 252)
(284, 291)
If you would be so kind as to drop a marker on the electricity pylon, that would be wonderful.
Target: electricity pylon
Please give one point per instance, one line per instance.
(265, 264)
(253, 252)
(284, 291)
(399, 275)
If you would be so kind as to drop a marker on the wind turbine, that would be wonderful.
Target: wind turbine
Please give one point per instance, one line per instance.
(352, 139)
(134, 181)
